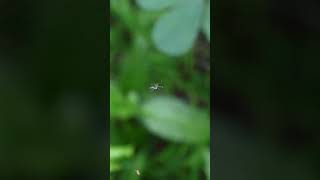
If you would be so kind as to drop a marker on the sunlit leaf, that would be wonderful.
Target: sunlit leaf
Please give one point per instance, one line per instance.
(118, 152)
(174, 120)
(175, 32)
(155, 4)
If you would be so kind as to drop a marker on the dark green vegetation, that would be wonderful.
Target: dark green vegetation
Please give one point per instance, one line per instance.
(266, 79)
(52, 90)
(164, 134)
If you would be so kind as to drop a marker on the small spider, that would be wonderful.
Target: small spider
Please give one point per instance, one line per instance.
(156, 87)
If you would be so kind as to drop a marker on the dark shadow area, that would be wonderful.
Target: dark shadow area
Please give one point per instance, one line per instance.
(53, 89)
(266, 97)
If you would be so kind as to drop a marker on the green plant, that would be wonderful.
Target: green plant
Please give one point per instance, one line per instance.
(168, 129)
(118, 153)
(176, 30)
(171, 119)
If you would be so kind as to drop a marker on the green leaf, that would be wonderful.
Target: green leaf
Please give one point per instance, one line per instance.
(135, 68)
(114, 166)
(122, 106)
(154, 5)
(118, 152)
(206, 156)
(174, 120)
(206, 22)
(116, 102)
(176, 31)
(116, 99)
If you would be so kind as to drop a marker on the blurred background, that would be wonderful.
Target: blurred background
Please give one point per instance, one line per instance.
(53, 89)
(162, 134)
(266, 101)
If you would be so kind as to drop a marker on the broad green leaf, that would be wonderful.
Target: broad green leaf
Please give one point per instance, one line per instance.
(206, 22)
(174, 120)
(153, 5)
(175, 32)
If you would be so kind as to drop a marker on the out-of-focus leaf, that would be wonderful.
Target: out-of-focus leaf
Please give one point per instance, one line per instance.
(121, 106)
(206, 22)
(123, 10)
(174, 120)
(118, 152)
(153, 5)
(114, 166)
(206, 156)
(135, 69)
(176, 31)
(116, 101)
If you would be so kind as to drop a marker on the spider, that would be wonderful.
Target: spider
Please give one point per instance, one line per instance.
(156, 87)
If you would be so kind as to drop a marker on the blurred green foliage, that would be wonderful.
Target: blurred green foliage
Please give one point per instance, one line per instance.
(164, 134)
(176, 30)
